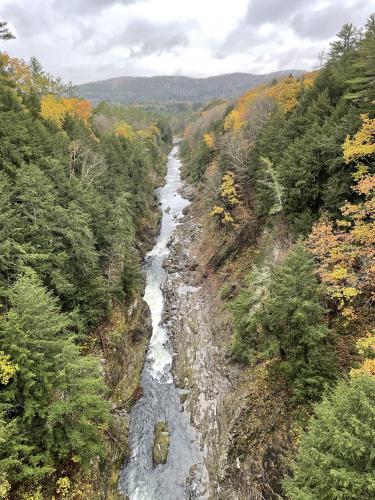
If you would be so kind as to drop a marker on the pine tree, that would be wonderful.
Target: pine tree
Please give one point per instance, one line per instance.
(292, 322)
(363, 84)
(55, 416)
(336, 457)
(248, 340)
(343, 48)
(5, 34)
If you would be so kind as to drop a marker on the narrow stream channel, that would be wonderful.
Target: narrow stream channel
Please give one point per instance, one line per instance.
(139, 480)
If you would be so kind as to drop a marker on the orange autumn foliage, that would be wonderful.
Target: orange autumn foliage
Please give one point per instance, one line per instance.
(81, 108)
(55, 108)
(346, 253)
(285, 93)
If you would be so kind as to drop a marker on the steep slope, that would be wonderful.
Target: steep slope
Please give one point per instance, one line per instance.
(271, 300)
(130, 89)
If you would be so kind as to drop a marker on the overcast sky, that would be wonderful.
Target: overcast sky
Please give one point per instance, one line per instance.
(85, 40)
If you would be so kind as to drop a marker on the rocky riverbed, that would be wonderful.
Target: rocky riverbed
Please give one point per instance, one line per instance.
(227, 428)
(239, 420)
(197, 365)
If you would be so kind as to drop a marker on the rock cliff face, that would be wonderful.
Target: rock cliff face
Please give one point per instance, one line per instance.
(125, 338)
(243, 423)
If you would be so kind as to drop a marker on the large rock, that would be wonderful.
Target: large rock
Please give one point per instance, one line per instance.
(161, 444)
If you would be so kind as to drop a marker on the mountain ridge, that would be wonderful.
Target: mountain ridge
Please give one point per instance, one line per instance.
(179, 88)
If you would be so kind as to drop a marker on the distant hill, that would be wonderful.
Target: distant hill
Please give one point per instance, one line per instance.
(161, 89)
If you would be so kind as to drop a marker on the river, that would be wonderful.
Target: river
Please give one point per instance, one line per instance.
(175, 479)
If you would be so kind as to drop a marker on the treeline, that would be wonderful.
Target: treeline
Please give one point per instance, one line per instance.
(298, 157)
(76, 200)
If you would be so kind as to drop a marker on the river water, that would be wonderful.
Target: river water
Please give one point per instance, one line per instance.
(139, 480)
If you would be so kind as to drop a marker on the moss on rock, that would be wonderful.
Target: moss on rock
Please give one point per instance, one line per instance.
(161, 444)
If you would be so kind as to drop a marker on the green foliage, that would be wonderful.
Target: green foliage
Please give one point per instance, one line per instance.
(245, 308)
(363, 82)
(5, 34)
(72, 207)
(281, 316)
(197, 160)
(306, 153)
(292, 320)
(305, 146)
(335, 458)
(53, 407)
(343, 48)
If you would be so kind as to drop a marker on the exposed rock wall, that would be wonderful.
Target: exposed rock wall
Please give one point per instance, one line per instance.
(242, 419)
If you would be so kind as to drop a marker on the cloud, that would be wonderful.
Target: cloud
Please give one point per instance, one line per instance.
(28, 23)
(270, 11)
(83, 40)
(326, 22)
(85, 7)
(142, 37)
(43, 15)
(298, 22)
(260, 24)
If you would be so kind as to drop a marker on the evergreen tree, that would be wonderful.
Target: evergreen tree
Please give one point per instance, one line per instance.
(292, 324)
(248, 340)
(55, 399)
(71, 208)
(5, 34)
(343, 48)
(363, 83)
(336, 457)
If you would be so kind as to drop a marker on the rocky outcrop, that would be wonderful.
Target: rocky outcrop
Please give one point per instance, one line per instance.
(124, 339)
(161, 444)
(243, 423)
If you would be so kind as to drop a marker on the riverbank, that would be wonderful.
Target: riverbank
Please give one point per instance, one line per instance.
(121, 342)
(243, 422)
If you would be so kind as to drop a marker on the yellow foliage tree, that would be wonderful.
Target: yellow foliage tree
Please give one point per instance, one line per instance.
(151, 134)
(125, 131)
(55, 108)
(285, 93)
(366, 348)
(7, 368)
(233, 121)
(229, 197)
(346, 252)
(28, 78)
(361, 147)
(209, 140)
(228, 189)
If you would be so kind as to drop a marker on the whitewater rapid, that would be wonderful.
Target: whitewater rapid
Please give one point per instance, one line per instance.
(174, 480)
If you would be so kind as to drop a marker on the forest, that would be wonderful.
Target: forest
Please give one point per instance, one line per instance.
(77, 205)
(281, 189)
(288, 171)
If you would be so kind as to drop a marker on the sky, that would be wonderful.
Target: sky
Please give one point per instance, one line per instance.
(87, 40)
